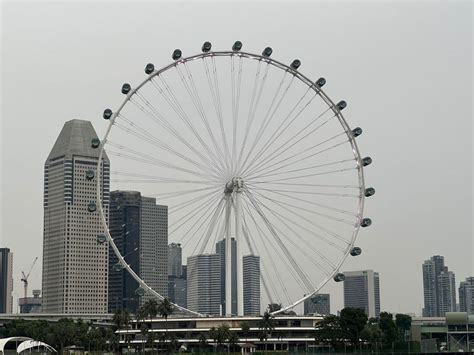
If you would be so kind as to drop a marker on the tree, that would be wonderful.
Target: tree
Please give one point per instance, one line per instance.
(403, 323)
(372, 333)
(233, 340)
(329, 330)
(165, 309)
(388, 328)
(353, 321)
(266, 325)
(273, 307)
(245, 327)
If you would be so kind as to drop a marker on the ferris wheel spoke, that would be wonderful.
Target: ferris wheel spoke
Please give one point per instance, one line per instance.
(181, 193)
(170, 98)
(137, 156)
(317, 225)
(212, 225)
(147, 137)
(284, 147)
(282, 219)
(280, 129)
(337, 219)
(161, 179)
(183, 205)
(236, 85)
(267, 246)
(268, 117)
(296, 267)
(156, 117)
(197, 102)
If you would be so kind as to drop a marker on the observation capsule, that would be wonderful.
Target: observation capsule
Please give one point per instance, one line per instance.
(237, 46)
(95, 142)
(356, 251)
(320, 82)
(101, 239)
(267, 52)
(91, 207)
(177, 54)
(126, 88)
(370, 191)
(117, 267)
(339, 277)
(90, 174)
(365, 222)
(341, 105)
(206, 47)
(366, 161)
(295, 64)
(107, 113)
(150, 68)
(357, 131)
(140, 291)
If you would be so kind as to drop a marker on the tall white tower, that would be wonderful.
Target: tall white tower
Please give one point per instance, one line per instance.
(74, 263)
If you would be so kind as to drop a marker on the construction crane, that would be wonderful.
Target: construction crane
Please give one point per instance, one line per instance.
(24, 278)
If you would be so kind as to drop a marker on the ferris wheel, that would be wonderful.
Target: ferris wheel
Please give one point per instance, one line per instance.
(243, 148)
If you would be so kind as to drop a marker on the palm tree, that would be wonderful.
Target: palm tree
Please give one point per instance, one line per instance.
(165, 309)
(266, 325)
(245, 327)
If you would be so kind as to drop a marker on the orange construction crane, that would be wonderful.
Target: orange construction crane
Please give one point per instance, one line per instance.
(24, 278)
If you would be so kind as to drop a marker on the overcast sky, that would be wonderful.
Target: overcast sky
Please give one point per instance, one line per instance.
(404, 67)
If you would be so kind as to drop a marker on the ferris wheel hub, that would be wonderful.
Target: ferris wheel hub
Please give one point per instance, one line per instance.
(234, 185)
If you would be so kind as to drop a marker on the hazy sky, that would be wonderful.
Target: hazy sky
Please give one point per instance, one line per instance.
(404, 67)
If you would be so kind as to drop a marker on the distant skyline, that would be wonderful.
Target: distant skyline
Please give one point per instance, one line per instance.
(404, 68)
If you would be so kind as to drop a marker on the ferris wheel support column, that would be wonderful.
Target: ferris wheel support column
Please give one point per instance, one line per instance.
(228, 258)
(238, 184)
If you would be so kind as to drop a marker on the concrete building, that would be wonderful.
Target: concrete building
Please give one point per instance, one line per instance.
(139, 228)
(177, 290)
(6, 280)
(319, 303)
(31, 304)
(362, 290)
(175, 260)
(466, 296)
(204, 283)
(437, 288)
(74, 264)
(251, 284)
(220, 250)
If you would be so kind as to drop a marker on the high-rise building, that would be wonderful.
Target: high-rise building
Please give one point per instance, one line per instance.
(438, 289)
(31, 304)
(362, 290)
(175, 262)
(177, 290)
(466, 295)
(319, 303)
(446, 291)
(251, 284)
(204, 283)
(74, 263)
(6, 280)
(139, 228)
(220, 250)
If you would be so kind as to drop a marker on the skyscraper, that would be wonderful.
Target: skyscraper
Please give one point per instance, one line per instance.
(175, 263)
(438, 288)
(319, 303)
(362, 290)
(139, 228)
(466, 295)
(204, 283)
(251, 284)
(220, 250)
(74, 263)
(6, 280)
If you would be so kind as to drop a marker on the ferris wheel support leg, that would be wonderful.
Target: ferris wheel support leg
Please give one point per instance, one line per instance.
(238, 237)
(228, 259)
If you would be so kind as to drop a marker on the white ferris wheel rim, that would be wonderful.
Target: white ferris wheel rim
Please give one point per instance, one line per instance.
(277, 64)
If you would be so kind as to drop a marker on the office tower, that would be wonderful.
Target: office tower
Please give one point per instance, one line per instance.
(175, 264)
(446, 292)
(466, 295)
(6, 280)
(177, 290)
(319, 303)
(204, 283)
(251, 284)
(74, 263)
(438, 289)
(220, 250)
(139, 228)
(31, 304)
(362, 290)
